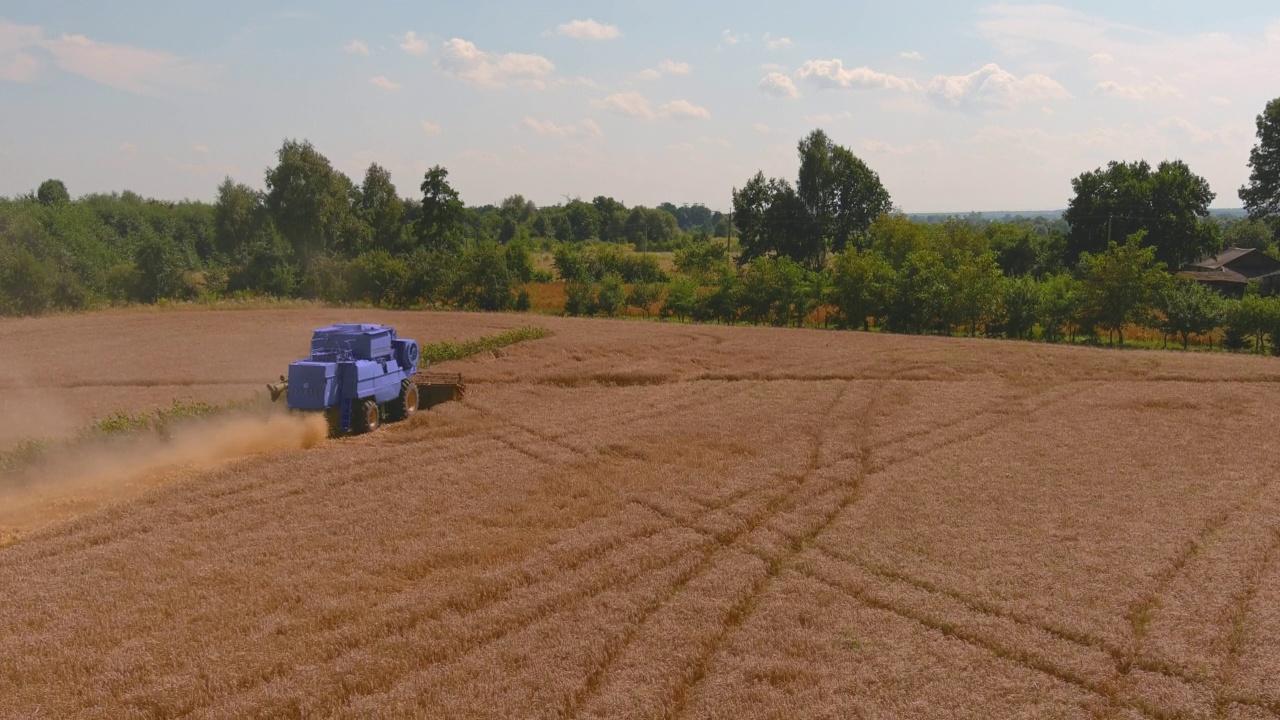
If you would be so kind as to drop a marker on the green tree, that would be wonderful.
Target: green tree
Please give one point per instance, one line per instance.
(376, 276)
(1022, 299)
(517, 209)
(1122, 285)
(1261, 196)
(382, 209)
(681, 299)
(978, 291)
(842, 195)
(309, 202)
(485, 282)
(53, 192)
(612, 296)
(1059, 307)
(240, 218)
(1190, 308)
(1249, 234)
(584, 221)
(571, 264)
(579, 298)
(860, 288)
(923, 299)
(643, 296)
(1170, 205)
(440, 224)
(162, 271)
(25, 283)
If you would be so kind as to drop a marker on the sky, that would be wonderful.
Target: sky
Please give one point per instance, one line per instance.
(958, 106)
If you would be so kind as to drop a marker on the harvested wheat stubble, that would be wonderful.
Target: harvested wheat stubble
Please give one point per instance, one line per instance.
(644, 520)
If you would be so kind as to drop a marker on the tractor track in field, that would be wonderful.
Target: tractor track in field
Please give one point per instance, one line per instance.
(847, 497)
(775, 564)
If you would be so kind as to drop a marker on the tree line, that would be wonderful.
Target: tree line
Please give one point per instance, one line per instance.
(310, 232)
(827, 248)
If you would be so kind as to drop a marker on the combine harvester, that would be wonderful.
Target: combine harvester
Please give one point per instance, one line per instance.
(362, 375)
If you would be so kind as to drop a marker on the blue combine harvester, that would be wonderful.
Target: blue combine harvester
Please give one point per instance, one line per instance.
(362, 375)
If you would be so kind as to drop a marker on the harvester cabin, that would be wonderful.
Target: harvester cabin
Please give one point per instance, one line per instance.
(1231, 271)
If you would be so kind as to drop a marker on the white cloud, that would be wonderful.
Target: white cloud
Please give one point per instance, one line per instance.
(1219, 100)
(129, 149)
(764, 129)
(728, 37)
(628, 104)
(1101, 59)
(778, 85)
(649, 74)
(200, 149)
(356, 47)
(832, 74)
(588, 30)
(430, 128)
(990, 86)
(685, 110)
(414, 45)
(18, 66)
(910, 55)
(1157, 88)
(675, 68)
(773, 43)
(463, 60)
(123, 67)
(383, 82)
(587, 127)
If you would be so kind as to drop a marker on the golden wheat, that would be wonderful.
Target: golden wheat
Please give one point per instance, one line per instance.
(631, 519)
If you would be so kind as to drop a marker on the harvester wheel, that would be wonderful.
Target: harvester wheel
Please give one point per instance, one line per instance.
(407, 403)
(366, 417)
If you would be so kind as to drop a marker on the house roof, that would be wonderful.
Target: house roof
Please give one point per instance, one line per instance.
(1222, 275)
(1226, 256)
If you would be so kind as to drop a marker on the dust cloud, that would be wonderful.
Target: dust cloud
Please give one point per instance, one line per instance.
(86, 478)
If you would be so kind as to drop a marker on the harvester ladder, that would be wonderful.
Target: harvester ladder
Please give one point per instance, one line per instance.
(344, 407)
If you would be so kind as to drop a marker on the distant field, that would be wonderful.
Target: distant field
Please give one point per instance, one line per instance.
(630, 519)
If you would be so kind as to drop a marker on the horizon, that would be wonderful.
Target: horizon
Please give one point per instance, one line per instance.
(980, 106)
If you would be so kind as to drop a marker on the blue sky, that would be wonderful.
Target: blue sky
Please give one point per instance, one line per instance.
(958, 106)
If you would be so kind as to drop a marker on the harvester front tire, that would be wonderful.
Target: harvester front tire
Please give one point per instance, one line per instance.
(407, 403)
(366, 417)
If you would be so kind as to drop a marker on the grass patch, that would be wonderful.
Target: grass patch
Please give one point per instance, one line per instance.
(160, 421)
(119, 424)
(444, 351)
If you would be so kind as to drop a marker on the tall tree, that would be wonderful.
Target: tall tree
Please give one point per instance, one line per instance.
(440, 226)
(381, 208)
(1169, 204)
(309, 201)
(1261, 196)
(836, 199)
(239, 216)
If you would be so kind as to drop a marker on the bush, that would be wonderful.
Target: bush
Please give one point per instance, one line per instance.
(580, 298)
(612, 295)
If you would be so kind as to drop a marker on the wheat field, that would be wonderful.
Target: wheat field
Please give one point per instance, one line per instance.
(647, 520)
